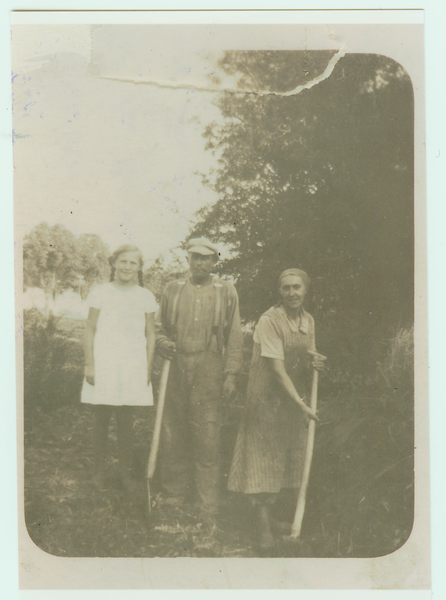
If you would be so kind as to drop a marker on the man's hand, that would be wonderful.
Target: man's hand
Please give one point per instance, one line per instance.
(167, 349)
(89, 374)
(229, 387)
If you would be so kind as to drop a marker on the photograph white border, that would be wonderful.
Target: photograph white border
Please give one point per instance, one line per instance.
(433, 243)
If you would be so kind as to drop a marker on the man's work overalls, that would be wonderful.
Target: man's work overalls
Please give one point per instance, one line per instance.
(204, 322)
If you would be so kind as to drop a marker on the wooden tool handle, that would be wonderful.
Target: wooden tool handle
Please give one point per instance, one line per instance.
(316, 354)
(300, 508)
(158, 420)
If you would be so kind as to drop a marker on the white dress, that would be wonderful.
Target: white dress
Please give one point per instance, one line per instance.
(120, 353)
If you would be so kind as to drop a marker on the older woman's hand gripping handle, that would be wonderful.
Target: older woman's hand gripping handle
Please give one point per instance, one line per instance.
(318, 365)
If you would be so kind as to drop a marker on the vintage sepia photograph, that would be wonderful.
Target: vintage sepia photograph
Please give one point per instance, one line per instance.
(215, 230)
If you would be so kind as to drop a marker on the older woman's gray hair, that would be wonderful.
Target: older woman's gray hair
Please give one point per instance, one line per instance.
(299, 273)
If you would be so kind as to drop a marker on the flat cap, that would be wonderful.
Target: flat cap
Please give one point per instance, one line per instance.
(202, 246)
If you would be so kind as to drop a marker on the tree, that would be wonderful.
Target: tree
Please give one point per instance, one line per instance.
(158, 275)
(93, 257)
(50, 260)
(55, 260)
(322, 180)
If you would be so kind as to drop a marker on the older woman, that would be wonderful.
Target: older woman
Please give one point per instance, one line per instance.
(270, 447)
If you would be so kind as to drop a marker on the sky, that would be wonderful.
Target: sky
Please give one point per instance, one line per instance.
(108, 132)
(108, 124)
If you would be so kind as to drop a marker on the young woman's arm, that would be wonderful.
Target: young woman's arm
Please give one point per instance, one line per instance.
(90, 331)
(278, 366)
(150, 337)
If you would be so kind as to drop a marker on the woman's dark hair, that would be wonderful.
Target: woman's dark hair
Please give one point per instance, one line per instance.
(126, 248)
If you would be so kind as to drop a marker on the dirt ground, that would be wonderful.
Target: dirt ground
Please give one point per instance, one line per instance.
(66, 515)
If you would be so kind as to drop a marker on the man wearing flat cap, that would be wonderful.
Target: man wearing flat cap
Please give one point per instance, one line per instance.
(198, 329)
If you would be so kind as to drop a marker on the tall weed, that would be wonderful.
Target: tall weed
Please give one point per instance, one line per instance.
(360, 501)
(53, 363)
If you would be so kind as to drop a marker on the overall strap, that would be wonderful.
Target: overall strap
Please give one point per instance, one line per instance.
(174, 310)
(216, 319)
(218, 287)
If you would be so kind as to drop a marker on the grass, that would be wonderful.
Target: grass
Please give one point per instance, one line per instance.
(359, 503)
(67, 516)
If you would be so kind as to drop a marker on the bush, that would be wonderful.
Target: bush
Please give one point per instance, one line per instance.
(361, 490)
(53, 363)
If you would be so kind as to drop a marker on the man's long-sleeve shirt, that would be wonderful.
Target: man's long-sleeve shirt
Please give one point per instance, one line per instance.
(202, 318)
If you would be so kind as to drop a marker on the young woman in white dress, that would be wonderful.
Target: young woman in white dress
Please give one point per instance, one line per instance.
(119, 352)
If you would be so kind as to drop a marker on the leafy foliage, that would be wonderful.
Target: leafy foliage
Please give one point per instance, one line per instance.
(361, 492)
(48, 255)
(158, 275)
(93, 261)
(53, 364)
(55, 260)
(322, 180)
